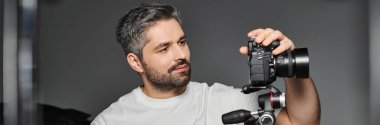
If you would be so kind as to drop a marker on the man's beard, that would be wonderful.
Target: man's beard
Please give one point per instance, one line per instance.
(168, 81)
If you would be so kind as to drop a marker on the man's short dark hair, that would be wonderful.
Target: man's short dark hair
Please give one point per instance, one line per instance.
(131, 28)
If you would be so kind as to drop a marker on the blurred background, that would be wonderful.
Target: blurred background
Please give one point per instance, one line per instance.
(79, 66)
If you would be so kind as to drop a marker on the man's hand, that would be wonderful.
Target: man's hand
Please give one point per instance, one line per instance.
(266, 37)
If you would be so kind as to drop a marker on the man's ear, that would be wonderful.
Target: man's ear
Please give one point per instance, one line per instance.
(134, 62)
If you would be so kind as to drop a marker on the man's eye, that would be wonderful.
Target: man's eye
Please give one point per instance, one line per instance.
(163, 50)
(183, 42)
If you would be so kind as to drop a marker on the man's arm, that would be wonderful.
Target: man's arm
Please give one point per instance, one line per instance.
(302, 103)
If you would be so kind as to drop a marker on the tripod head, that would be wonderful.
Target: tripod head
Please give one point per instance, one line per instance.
(268, 102)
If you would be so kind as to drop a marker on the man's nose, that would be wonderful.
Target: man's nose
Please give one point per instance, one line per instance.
(179, 53)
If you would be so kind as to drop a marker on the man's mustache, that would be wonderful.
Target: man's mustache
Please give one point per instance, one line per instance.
(183, 61)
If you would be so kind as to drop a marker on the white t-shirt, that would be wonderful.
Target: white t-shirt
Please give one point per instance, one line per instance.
(198, 105)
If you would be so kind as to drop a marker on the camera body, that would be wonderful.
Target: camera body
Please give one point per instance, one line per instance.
(265, 67)
(261, 62)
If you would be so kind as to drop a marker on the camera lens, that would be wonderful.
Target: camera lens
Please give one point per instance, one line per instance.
(292, 63)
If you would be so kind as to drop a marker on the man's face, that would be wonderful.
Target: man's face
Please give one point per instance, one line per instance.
(166, 56)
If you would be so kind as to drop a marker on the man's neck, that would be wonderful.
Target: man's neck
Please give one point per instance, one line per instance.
(155, 93)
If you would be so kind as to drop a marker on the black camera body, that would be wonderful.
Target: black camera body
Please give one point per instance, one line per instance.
(265, 67)
(260, 62)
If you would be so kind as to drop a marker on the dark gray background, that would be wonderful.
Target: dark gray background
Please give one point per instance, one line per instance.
(1, 45)
(374, 47)
(81, 66)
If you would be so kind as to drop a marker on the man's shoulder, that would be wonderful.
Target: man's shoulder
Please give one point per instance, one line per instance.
(214, 91)
(217, 85)
(117, 108)
(197, 85)
(211, 89)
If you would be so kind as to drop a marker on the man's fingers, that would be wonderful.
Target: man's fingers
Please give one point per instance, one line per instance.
(266, 37)
(262, 35)
(244, 50)
(254, 33)
(284, 45)
(272, 37)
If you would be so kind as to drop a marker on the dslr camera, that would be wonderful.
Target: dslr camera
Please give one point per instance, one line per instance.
(264, 67)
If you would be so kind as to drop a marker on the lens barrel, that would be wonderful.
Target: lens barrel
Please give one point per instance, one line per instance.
(292, 63)
(302, 62)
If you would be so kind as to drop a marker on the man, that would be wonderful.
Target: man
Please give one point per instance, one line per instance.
(156, 48)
